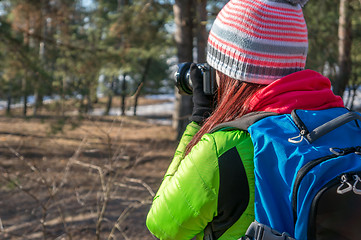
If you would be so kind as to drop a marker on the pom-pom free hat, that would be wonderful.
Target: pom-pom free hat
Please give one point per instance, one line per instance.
(259, 41)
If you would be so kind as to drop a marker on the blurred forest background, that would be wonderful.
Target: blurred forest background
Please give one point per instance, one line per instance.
(67, 174)
(85, 49)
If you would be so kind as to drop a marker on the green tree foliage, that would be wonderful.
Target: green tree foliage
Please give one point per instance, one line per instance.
(322, 19)
(355, 76)
(60, 47)
(356, 40)
(138, 33)
(322, 23)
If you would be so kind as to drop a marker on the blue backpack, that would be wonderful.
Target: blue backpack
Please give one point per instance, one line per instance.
(307, 175)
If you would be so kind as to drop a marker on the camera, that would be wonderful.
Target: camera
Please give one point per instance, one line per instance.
(183, 81)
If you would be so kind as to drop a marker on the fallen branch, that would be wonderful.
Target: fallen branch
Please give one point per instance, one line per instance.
(51, 188)
(52, 222)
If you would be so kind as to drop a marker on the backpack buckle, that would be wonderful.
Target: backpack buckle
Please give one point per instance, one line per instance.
(258, 231)
(357, 180)
(298, 138)
(345, 185)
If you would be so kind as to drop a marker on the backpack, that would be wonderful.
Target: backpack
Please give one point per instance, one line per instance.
(307, 174)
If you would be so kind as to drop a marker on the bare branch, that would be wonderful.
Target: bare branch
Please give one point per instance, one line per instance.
(51, 191)
(92, 166)
(146, 186)
(68, 165)
(129, 186)
(121, 218)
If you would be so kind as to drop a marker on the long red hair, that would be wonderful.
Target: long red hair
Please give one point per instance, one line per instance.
(233, 97)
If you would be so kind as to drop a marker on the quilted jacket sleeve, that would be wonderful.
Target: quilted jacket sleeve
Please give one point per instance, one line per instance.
(187, 198)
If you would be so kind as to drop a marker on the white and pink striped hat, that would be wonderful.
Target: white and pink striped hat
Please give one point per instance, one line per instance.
(259, 41)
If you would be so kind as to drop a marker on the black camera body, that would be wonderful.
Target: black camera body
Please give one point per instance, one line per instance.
(183, 81)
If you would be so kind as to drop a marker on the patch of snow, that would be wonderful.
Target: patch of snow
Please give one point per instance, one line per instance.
(161, 97)
(158, 113)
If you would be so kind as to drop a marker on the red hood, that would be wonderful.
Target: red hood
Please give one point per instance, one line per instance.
(305, 89)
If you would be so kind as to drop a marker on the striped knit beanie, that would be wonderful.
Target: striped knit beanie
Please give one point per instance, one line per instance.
(259, 41)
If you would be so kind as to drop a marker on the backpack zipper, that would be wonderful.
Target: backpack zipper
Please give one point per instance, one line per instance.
(344, 179)
(337, 152)
(299, 123)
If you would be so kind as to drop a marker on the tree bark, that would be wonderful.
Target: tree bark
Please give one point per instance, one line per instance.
(124, 89)
(142, 82)
(38, 93)
(36, 100)
(183, 18)
(202, 34)
(25, 93)
(89, 106)
(63, 88)
(9, 98)
(24, 83)
(344, 48)
(110, 96)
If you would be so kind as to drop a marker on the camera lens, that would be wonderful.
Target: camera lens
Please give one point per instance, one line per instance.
(182, 78)
(184, 83)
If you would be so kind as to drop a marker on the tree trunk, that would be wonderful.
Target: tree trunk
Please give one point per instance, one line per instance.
(38, 93)
(89, 106)
(25, 105)
(109, 104)
(25, 94)
(82, 106)
(141, 84)
(63, 89)
(110, 97)
(202, 35)
(183, 18)
(352, 92)
(36, 96)
(124, 89)
(344, 48)
(8, 107)
(38, 99)
(25, 78)
(9, 97)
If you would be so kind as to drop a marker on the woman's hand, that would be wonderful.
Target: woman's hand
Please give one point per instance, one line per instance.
(202, 108)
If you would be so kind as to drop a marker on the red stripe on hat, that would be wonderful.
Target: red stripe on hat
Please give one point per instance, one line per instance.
(268, 26)
(286, 37)
(261, 5)
(301, 21)
(277, 10)
(255, 54)
(256, 20)
(280, 32)
(271, 64)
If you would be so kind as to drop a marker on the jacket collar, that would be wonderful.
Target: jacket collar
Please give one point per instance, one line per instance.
(307, 89)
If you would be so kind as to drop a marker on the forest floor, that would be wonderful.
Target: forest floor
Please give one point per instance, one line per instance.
(80, 177)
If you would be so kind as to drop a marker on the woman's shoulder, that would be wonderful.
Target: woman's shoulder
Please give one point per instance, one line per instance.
(224, 140)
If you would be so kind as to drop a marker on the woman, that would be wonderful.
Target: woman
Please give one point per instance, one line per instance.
(258, 48)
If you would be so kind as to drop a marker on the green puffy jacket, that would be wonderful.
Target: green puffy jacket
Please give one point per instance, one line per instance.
(207, 188)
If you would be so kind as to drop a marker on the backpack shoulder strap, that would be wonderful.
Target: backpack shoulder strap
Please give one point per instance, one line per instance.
(258, 231)
(326, 127)
(243, 122)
